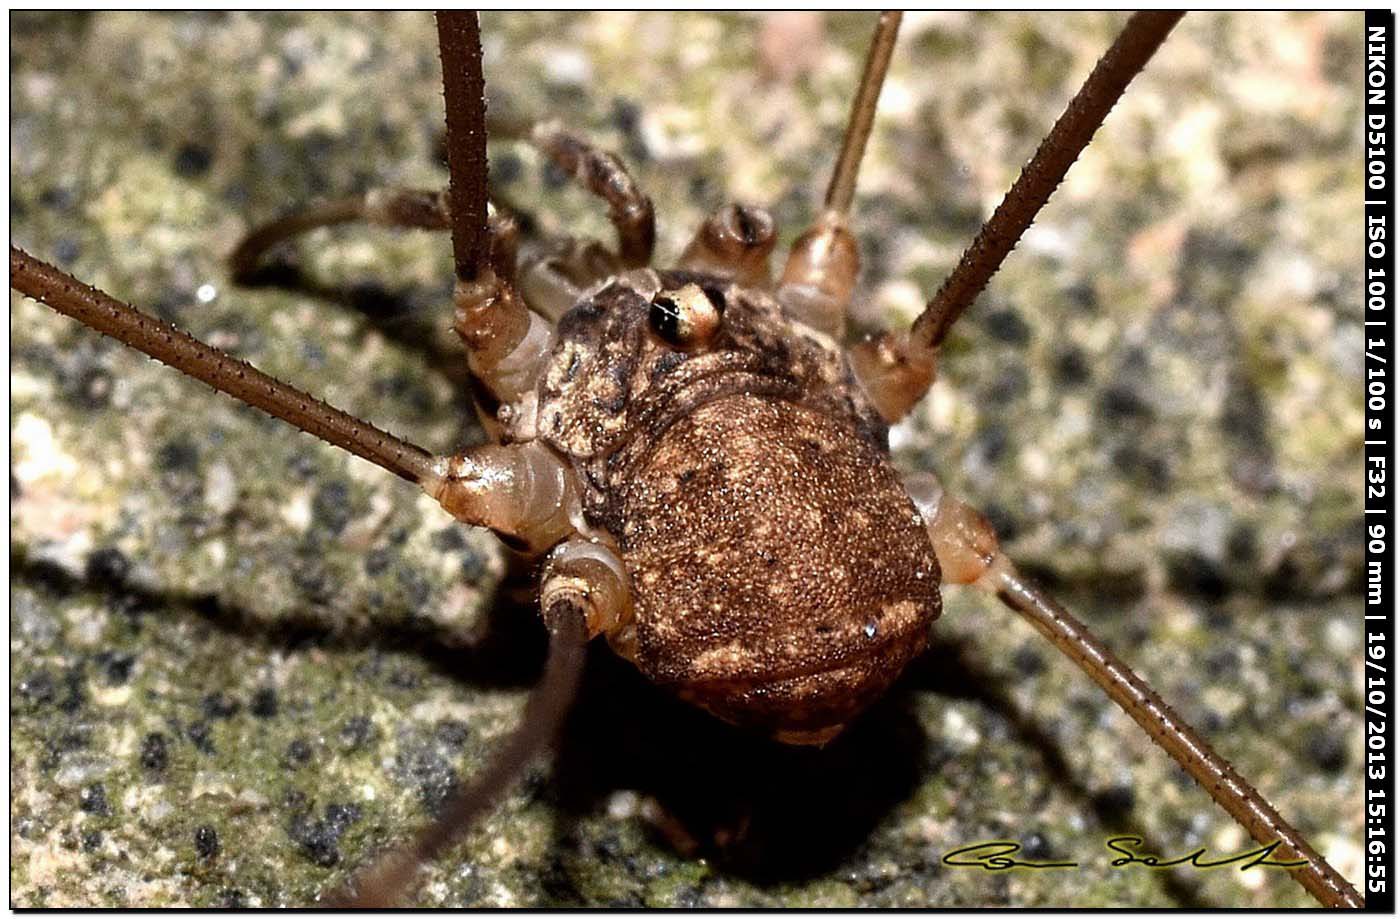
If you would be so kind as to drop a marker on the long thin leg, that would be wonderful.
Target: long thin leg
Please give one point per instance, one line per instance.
(821, 270)
(900, 368)
(1231, 791)
(506, 343)
(396, 208)
(464, 91)
(390, 879)
(237, 378)
(969, 553)
(841, 191)
(520, 492)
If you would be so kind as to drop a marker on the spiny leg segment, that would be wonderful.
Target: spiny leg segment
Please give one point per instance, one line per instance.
(897, 369)
(518, 491)
(969, 553)
(389, 880)
(404, 208)
(487, 312)
(243, 381)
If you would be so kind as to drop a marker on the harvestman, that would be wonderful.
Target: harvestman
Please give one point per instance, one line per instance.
(526, 494)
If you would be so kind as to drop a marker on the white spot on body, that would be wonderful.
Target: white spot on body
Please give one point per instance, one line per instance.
(206, 293)
(724, 659)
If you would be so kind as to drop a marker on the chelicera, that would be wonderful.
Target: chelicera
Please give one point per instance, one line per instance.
(679, 314)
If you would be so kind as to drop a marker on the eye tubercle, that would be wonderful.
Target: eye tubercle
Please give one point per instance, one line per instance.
(686, 318)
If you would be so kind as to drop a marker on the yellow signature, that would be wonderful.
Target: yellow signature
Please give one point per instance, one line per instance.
(998, 855)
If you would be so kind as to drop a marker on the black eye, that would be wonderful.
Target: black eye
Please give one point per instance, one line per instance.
(666, 320)
(686, 318)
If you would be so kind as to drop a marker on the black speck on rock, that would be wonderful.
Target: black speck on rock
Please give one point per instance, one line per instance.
(1196, 575)
(1147, 468)
(302, 467)
(92, 840)
(320, 839)
(506, 167)
(448, 539)
(66, 251)
(554, 178)
(38, 689)
(626, 115)
(206, 841)
(1242, 546)
(1220, 662)
(416, 590)
(201, 735)
(378, 560)
(452, 733)
(1327, 750)
(93, 800)
(422, 766)
(192, 161)
(1002, 521)
(219, 706)
(1083, 296)
(91, 389)
(475, 566)
(311, 579)
(298, 753)
(357, 733)
(992, 443)
(1008, 326)
(58, 198)
(1028, 661)
(1010, 384)
(400, 678)
(75, 691)
(231, 898)
(155, 752)
(115, 666)
(80, 738)
(1036, 846)
(1120, 403)
(107, 566)
(1113, 805)
(1071, 367)
(341, 816)
(180, 455)
(330, 507)
(264, 703)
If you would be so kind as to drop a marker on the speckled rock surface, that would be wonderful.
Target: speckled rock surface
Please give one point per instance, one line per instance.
(241, 662)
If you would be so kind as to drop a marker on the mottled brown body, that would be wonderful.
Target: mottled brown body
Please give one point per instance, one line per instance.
(781, 576)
